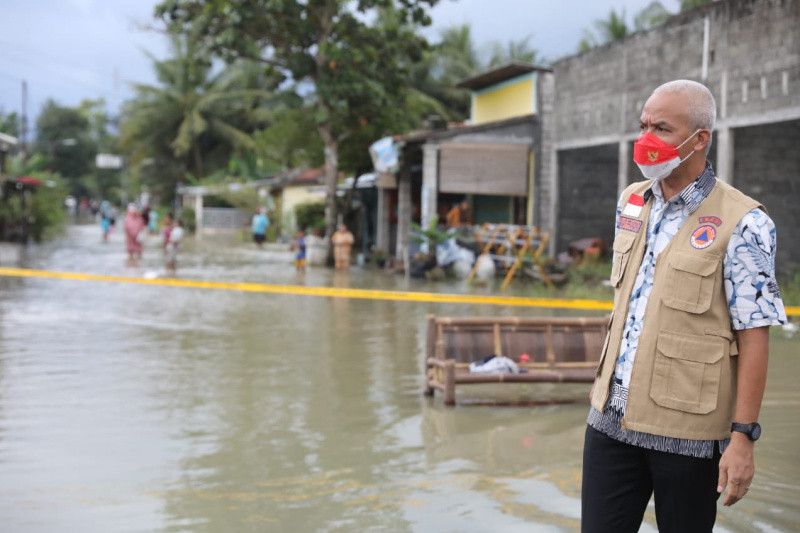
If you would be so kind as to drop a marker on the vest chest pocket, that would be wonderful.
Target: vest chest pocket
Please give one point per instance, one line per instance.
(623, 243)
(691, 282)
(687, 370)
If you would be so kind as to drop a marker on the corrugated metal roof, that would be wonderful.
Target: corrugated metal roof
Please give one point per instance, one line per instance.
(499, 74)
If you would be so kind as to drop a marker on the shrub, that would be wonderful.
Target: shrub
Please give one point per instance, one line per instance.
(310, 215)
(44, 214)
(187, 217)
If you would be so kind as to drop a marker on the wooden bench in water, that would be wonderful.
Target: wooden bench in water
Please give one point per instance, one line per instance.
(561, 350)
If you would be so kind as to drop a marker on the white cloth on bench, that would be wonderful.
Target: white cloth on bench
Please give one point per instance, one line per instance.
(494, 364)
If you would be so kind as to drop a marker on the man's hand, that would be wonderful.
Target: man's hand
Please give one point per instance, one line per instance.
(736, 469)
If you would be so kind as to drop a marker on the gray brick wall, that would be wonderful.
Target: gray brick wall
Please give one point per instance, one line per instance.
(588, 193)
(602, 92)
(767, 167)
(753, 71)
(544, 183)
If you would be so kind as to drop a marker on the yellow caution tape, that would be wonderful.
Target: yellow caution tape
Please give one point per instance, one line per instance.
(332, 292)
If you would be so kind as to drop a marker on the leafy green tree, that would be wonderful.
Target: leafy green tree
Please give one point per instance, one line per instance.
(101, 182)
(652, 15)
(194, 118)
(290, 141)
(9, 123)
(354, 57)
(64, 138)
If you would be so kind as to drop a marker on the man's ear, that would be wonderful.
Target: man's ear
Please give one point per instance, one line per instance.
(703, 139)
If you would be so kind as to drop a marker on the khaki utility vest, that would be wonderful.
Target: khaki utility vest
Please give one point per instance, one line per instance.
(683, 382)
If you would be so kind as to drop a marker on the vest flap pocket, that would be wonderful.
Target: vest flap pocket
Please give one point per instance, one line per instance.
(727, 335)
(702, 266)
(691, 282)
(623, 243)
(686, 373)
(698, 348)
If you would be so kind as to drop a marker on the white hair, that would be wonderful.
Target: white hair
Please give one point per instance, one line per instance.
(702, 106)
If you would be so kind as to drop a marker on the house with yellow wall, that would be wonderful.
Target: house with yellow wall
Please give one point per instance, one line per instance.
(306, 186)
(491, 161)
(502, 93)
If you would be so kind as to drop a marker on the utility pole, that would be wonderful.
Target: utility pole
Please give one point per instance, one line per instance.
(23, 127)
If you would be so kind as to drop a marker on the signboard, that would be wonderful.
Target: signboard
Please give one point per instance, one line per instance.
(385, 156)
(108, 161)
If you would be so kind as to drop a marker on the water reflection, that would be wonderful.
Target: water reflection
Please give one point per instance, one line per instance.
(147, 408)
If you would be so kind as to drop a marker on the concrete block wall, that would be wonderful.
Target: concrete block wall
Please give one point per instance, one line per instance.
(588, 193)
(767, 167)
(758, 39)
(545, 155)
(601, 92)
(752, 66)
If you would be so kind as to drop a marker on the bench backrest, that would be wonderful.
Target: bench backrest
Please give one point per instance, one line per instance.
(545, 340)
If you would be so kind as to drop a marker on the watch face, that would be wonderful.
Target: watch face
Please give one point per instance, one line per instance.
(755, 433)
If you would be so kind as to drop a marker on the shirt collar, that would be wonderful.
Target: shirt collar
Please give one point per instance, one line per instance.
(694, 193)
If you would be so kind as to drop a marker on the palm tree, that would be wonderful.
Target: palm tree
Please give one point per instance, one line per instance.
(194, 116)
(587, 42)
(519, 50)
(613, 28)
(652, 15)
(449, 61)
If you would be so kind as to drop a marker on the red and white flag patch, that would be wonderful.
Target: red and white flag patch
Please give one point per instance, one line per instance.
(634, 206)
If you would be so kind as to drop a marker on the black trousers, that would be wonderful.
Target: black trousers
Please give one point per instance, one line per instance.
(618, 480)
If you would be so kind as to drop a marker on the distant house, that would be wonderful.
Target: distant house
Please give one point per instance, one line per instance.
(502, 93)
(7, 144)
(305, 186)
(492, 161)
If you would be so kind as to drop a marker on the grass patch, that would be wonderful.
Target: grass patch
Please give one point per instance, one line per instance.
(586, 281)
(790, 289)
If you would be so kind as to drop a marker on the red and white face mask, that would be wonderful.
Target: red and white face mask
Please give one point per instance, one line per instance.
(657, 158)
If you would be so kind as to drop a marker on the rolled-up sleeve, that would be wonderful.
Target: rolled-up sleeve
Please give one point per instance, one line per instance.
(754, 299)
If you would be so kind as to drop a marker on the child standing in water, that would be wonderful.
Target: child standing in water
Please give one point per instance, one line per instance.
(172, 247)
(299, 246)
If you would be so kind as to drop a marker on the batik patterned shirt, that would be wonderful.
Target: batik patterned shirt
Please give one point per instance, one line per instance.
(750, 287)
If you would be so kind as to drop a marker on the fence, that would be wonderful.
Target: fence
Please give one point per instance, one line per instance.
(224, 219)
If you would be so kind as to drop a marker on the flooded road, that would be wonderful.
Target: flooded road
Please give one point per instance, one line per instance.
(138, 408)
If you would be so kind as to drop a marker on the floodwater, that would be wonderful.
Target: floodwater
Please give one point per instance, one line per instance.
(140, 408)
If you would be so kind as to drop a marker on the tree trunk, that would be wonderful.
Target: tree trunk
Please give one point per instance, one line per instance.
(198, 161)
(331, 172)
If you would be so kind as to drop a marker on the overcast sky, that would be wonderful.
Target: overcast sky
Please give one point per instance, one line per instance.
(75, 49)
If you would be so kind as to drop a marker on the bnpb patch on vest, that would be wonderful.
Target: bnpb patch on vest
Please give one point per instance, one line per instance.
(703, 236)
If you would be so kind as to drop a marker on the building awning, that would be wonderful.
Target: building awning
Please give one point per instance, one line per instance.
(496, 169)
(499, 74)
(7, 141)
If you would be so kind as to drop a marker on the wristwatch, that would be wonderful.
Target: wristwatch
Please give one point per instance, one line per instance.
(753, 431)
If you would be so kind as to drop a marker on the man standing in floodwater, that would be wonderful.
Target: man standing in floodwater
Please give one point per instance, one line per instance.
(679, 386)
(342, 241)
(259, 226)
